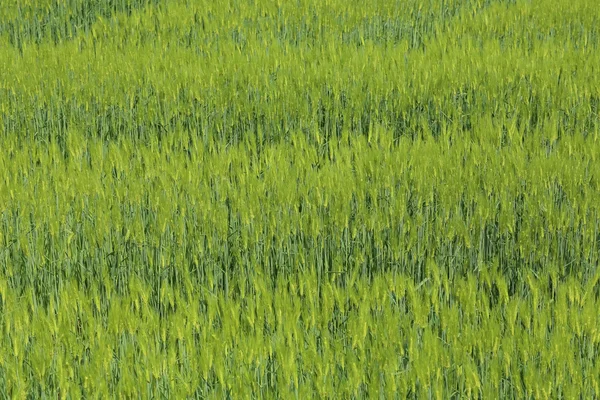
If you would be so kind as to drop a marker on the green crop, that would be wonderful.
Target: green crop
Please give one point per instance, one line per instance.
(309, 199)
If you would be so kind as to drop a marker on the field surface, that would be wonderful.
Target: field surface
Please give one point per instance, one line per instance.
(299, 199)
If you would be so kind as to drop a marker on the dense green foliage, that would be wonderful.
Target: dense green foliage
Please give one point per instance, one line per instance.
(305, 199)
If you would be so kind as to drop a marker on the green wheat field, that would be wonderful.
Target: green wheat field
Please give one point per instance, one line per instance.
(299, 199)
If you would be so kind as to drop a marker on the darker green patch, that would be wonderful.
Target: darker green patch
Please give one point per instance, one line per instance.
(63, 20)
